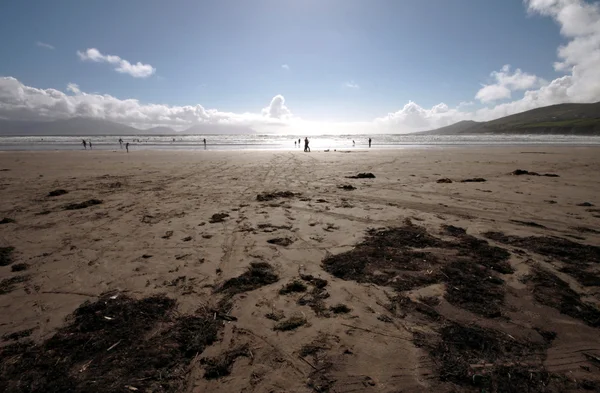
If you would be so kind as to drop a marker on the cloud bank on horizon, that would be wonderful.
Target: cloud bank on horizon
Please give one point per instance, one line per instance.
(578, 59)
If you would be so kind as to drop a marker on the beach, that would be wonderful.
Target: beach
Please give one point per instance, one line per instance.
(184, 223)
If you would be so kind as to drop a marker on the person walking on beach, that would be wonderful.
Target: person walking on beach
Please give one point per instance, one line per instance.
(84, 144)
(90, 142)
(204, 140)
(127, 147)
(306, 148)
(369, 142)
(298, 142)
(121, 142)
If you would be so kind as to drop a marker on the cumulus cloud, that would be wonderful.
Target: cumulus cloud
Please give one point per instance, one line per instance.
(413, 117)
(73, 88)
(44, 45)
(351, 85)
(137, 70)
(285, 67)
(580, 57)
(21, 102)
(277, 109)
(506, 83)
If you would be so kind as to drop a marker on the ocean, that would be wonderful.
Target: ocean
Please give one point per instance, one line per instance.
(285, 142)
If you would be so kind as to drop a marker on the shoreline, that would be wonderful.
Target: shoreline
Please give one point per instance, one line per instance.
(240, 148)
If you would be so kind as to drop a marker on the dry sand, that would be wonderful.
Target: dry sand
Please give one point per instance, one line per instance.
(152, 234)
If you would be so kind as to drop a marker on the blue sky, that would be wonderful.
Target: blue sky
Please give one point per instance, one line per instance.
(228, 55)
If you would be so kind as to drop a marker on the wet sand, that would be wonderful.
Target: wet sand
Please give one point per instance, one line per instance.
(184, 223)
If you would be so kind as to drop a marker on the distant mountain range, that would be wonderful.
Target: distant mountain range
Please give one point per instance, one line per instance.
(92, 126)
(562, 119)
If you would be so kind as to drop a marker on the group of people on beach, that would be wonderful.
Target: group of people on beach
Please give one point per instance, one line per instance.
(306, 147)
(89, 143)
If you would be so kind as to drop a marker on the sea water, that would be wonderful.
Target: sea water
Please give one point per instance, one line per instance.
(285, 142)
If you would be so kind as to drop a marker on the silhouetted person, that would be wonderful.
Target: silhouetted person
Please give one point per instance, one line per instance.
(306, 148)
(369, 142)
(121, 142)
(298, 142)
(90, 142)
(353, 143)
(294, 143)
(84, 144)
(127, 147)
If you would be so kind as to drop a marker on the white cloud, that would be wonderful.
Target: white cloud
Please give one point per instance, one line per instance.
(73, 88)
(506, 83)
(44, 45)
(285, 67)
(137, 70)
(490, 93)
(415, 118)
(580, 22)
(464, 104)
(277, 109)
(21, 102)
(351, 85)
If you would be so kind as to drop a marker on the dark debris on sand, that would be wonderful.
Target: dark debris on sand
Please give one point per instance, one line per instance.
(400, 305)
(562, 249)
(551, 291)
(276, 315)
(444, 181)
(8, 284)
(367, 175)
(580, 257)
(19, 267)
(293, 287)
(111, 345)
(258, 275)
(281, 241)
(291, 323)
(586, 230)
(488, 360)
(6, 255)
(409, 257)
(220, 366)
(269, 196)
(453, 230)
(82, 205)
(340, 309)
(583, 277)
(18, 335)
(7, 220)
(474, 180)
(528, 223)
(520, 172)
(347, 187)
(585, 204)
(56, 193)
(475, 288)
(218, 217)
(320, 379)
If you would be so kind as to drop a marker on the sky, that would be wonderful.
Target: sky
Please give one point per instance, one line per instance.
(297, 66)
